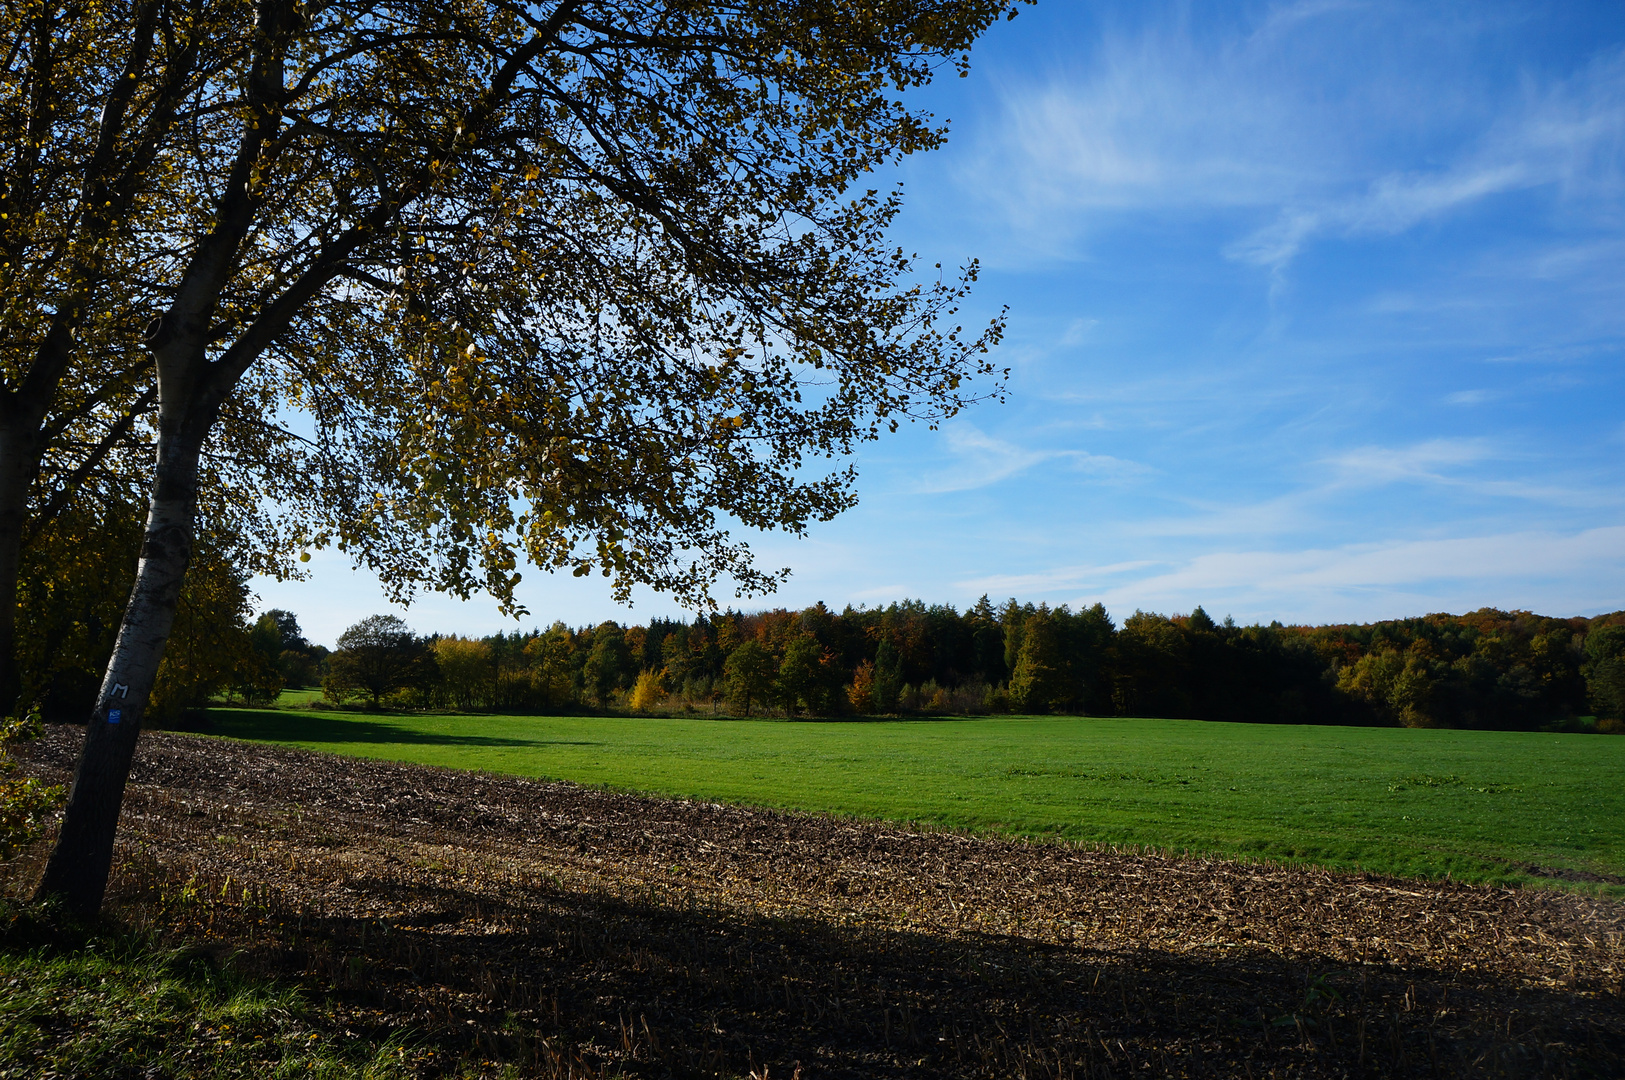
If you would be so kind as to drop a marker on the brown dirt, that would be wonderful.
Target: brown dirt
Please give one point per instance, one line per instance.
(568, 931)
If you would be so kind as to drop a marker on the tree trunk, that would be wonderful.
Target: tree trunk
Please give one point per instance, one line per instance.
(17, 462)
(83, 856)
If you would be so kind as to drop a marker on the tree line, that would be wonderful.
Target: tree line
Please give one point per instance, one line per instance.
(1486, 669)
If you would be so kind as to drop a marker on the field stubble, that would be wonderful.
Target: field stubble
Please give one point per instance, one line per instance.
(562, 931)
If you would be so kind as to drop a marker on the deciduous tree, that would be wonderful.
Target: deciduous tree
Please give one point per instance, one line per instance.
(1605, 671)
(99, 100)
(748, 674)
(379, 656)
(467, 672)
(566, 280)
(800, 676)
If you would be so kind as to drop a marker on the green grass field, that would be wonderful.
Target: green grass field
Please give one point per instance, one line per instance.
(1480, 806)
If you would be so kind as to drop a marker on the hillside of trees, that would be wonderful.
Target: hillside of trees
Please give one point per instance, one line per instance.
(1486, 669)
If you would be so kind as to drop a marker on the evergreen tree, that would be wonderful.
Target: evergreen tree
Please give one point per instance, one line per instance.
(987, 643)
(888, 677)
(1013, 620)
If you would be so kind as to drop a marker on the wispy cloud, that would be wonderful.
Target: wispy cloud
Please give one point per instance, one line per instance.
(1392, 204)
(1424, 461)
(1457, 463)
(982, 459)
(1066, 578)
(1323, 579)
(1168, 121)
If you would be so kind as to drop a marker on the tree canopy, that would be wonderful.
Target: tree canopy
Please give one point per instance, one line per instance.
(377, 657)
(573, 282)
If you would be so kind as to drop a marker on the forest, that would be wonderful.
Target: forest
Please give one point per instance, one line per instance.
(1485, 669)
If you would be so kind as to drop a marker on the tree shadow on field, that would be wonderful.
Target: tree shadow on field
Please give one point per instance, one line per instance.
(564, 983)
(271, 726)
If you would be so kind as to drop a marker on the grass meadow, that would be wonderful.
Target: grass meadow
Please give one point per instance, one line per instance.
(1492, 807)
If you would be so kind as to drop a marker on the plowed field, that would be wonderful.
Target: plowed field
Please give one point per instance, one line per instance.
(559, 930)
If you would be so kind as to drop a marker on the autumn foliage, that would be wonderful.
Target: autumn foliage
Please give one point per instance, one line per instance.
(1485, 669)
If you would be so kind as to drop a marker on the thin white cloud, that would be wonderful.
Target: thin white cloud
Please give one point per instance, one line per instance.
(1424, 461)
(983, 460)
(1451, 463)
(1077, 332)
(1060, 578)
(1393, 204)
(1162, 121)
(1284, 18)
(1323, 579)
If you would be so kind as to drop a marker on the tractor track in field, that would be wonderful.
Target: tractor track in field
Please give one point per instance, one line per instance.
(570, 931)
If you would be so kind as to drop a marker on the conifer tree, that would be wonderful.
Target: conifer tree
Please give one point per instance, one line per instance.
(888, 677)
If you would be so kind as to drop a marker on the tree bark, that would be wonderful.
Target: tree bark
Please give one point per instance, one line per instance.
(82, 859)
(18, 458)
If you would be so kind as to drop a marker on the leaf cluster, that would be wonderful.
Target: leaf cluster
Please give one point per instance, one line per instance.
(579, 283)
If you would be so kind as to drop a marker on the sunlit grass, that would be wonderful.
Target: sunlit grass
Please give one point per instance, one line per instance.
(1479, 806)
(110, 1004)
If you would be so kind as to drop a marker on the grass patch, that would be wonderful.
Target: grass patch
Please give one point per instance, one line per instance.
(106, 1003)
(1499, 807)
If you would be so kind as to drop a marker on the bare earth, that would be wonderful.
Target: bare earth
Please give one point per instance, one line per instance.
(567, 931)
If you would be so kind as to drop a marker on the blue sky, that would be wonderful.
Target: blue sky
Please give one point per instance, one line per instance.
(1317, 313)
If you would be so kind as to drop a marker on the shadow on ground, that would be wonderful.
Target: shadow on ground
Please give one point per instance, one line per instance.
(568, 984)
(275, 726)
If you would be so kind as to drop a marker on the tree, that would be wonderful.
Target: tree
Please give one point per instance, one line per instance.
(287, 626)
(609, 663)
(552, 671)
(266, 639)
(748, 674)
(378, 656)
(467, 673)
(861, 693)
(99, 100)
(646, 692)
(298, 661)
(570, 280)
(801, 674)
(1013, 619)
(987, 642)
(74, 579)
(1039, 682)
(1605, 670)
(888, 677)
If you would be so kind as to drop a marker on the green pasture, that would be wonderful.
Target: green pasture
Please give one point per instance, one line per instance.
(1481, 806)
